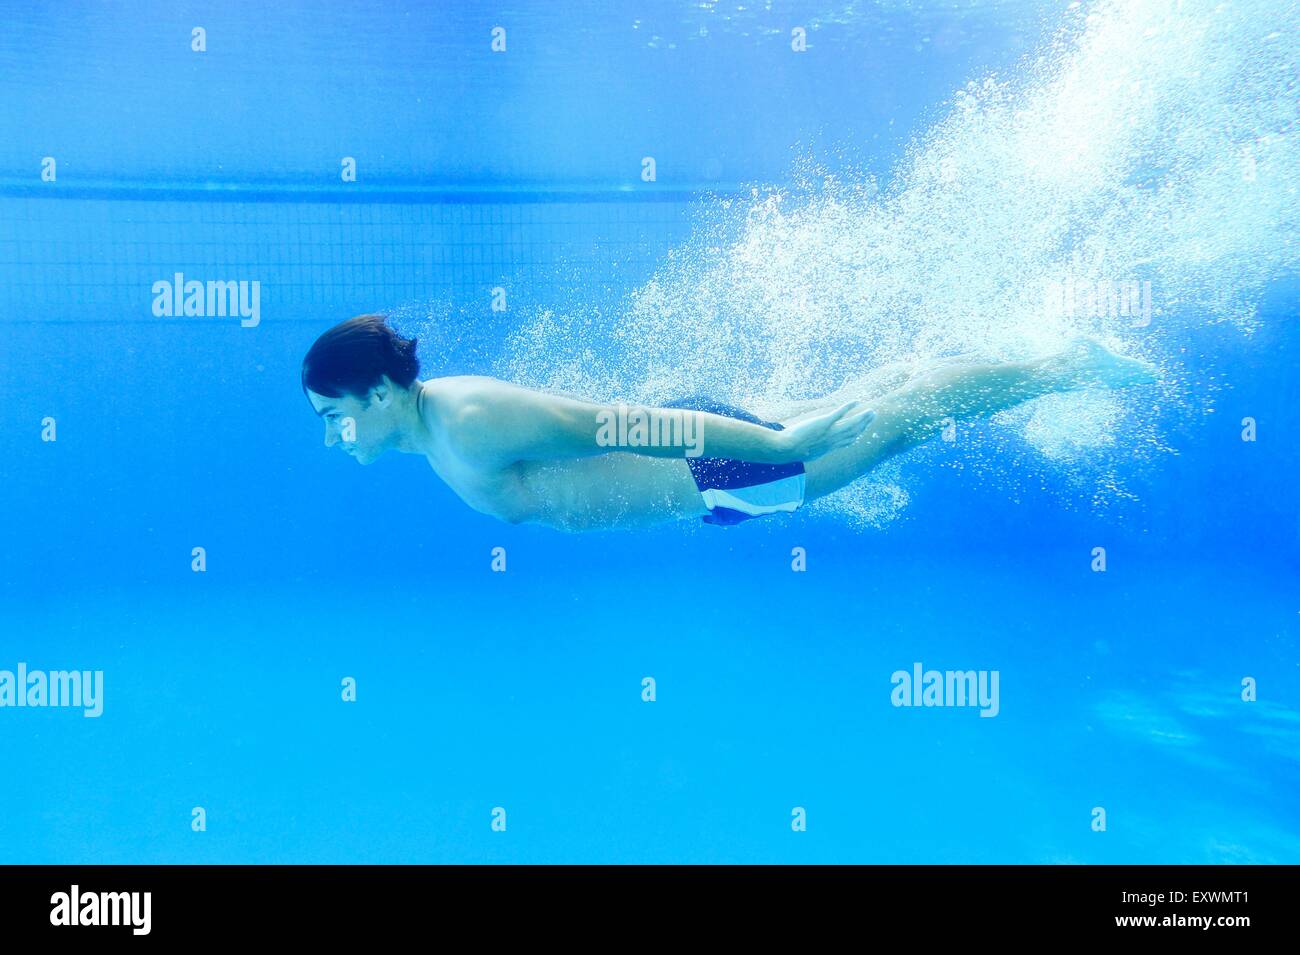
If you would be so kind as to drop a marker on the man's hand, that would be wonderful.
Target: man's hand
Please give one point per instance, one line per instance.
(820, 434)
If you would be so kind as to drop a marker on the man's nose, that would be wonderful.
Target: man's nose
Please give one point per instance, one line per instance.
(330, 437)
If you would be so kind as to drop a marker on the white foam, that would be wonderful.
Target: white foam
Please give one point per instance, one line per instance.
(1151, 142)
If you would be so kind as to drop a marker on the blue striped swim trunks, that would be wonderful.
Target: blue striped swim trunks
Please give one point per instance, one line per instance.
(736, 491)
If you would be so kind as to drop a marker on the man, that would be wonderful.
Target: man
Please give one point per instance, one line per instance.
(528, 456)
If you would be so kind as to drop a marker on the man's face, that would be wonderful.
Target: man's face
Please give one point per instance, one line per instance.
(363, 427)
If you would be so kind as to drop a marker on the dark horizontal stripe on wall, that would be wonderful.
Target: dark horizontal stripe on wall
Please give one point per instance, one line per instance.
(143, 322)
(189, 323)
(398, 194)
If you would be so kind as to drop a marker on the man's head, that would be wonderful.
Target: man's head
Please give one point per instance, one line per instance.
(358, 377)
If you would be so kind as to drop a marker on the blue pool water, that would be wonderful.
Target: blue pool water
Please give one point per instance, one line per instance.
(912, 185)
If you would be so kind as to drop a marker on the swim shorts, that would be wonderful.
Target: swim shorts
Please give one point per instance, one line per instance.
(736, 491)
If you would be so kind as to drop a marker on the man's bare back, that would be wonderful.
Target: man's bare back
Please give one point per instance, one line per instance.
(608, 490)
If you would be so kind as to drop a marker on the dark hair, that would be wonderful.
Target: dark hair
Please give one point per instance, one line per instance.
(351, 357)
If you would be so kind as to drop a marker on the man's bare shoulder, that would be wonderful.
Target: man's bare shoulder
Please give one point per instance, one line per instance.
(454, 396)
(463, 410)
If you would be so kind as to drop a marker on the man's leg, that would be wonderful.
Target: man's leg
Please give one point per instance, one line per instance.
(878, 381)
(915, 412)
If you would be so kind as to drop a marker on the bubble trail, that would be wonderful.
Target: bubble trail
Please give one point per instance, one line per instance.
(1133, 180)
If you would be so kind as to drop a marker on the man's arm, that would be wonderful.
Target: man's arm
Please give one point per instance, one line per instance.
(502, 422)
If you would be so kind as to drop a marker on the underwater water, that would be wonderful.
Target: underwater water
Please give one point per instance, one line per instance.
(923, 180)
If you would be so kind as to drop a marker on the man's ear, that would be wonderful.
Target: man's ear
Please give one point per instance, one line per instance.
(382, 393)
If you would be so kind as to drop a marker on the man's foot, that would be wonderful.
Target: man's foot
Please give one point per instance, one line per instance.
(1085, 361)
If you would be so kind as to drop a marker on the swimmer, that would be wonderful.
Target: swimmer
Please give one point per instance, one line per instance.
(526, 456)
